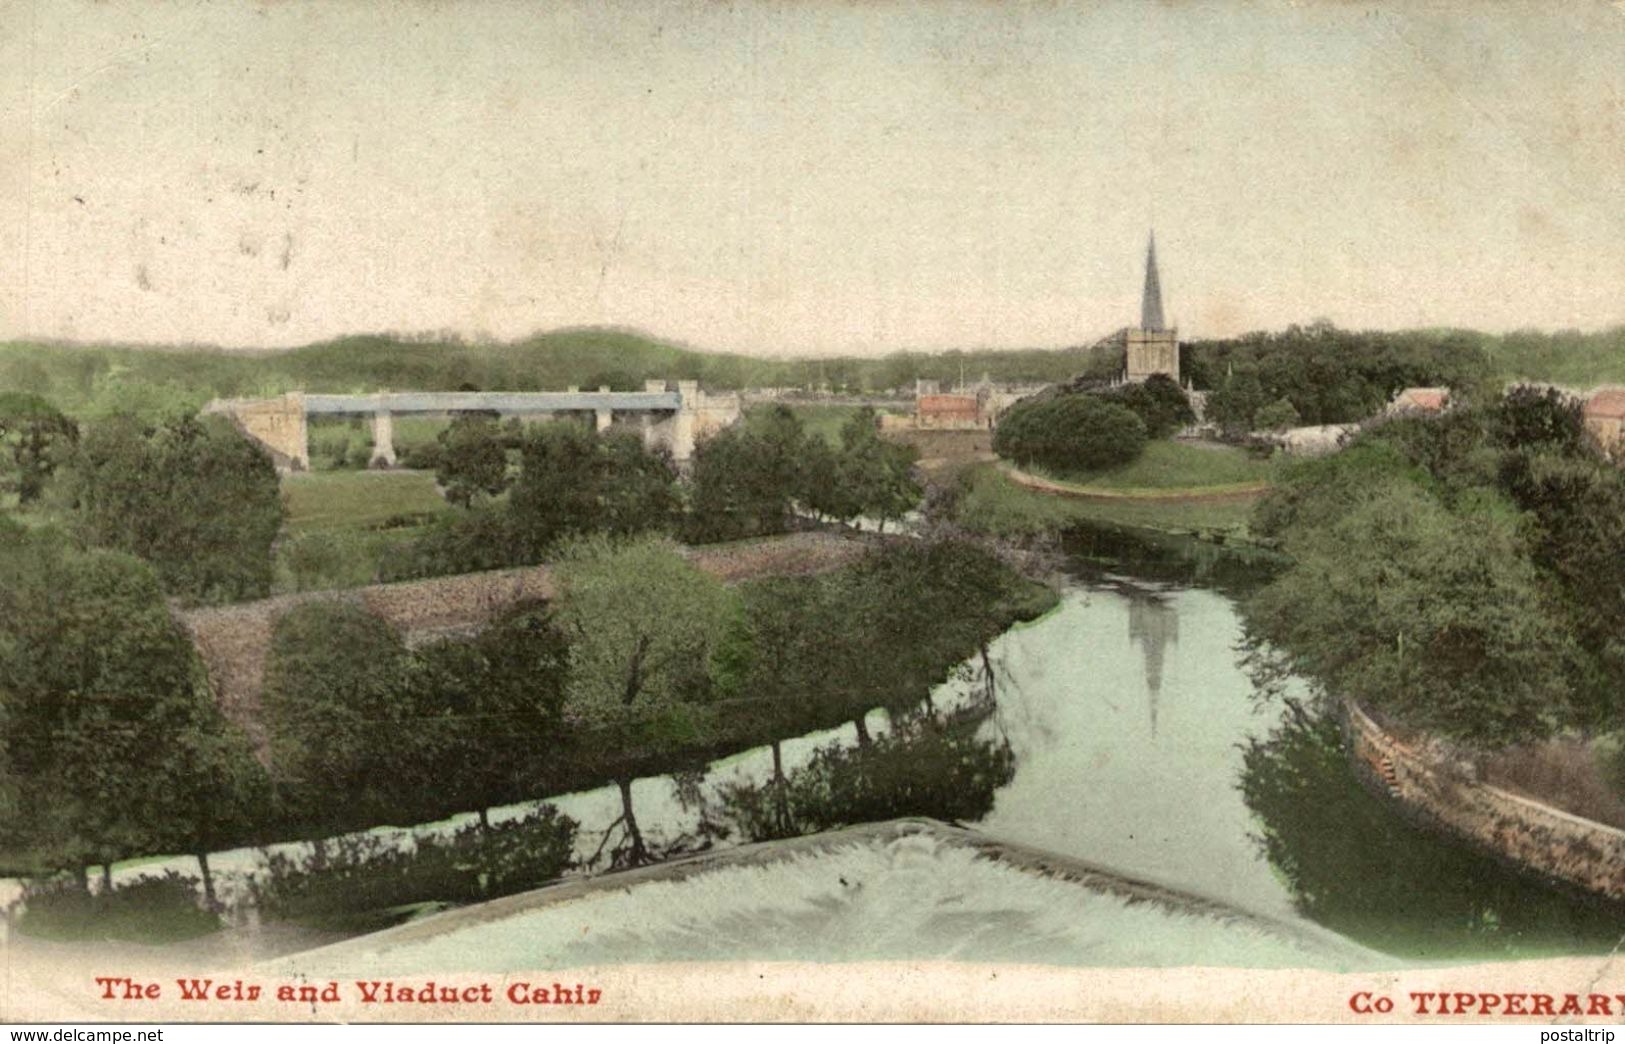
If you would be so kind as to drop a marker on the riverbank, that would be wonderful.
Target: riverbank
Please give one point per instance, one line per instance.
(1439, 790)
(990, 500)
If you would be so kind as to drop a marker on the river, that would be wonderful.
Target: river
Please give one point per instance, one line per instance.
(1141, 745)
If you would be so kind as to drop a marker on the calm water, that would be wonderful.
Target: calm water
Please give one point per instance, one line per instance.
(1141, 745)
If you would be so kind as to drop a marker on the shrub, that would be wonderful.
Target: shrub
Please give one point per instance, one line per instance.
(422, 456)
(469, 542)
(920, 768)
(1158, 401)
(366, 873)
(312, 558)
(1070, 433)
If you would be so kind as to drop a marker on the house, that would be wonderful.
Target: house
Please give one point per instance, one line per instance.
(1420, 401)
(1604, 415)
(947, 411)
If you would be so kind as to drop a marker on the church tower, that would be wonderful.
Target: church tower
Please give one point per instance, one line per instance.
(1153, 348)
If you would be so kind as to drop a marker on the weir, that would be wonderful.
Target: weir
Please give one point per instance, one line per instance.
(674, 418)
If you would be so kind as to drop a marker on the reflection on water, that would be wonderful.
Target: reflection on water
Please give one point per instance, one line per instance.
(1356, 867)
(1152, 625)
(1141, 745)
(1127, 742)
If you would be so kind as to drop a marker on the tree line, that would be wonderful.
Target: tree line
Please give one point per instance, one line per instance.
(642, 665)
(1319, 374)
(523, 489)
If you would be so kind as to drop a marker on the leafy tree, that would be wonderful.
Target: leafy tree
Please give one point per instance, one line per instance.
(35, 439)
(873, 473)
(1329, 375)
(113, 744)
(1158, 401)
(193, 497)
(1533, 418)
(643, 625)
(337, 706)
(1577, 506)
(747, 478)
(489, 704)
(472, 461)
(1236, 401)
(1436, 617)
(1069, 433)
(572, 481)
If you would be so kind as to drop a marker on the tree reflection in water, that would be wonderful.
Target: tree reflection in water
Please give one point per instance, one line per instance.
(927, 765)
(1357, 868)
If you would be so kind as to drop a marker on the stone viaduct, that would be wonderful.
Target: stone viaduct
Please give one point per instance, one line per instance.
(675, 419)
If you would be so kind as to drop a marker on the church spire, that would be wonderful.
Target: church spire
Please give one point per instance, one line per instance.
(1151, 303)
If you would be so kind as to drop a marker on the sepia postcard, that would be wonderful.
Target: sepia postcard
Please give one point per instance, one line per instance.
(812, 511)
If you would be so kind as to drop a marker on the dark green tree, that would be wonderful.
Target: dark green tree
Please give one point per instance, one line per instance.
(573, 481)
(491, 707)
(193, 497)
(472, 461)
(1158, 401)
(337, 705)
(1069, 433)
(1276, 416)
(873, 473)
(113, 745)
(748, 478)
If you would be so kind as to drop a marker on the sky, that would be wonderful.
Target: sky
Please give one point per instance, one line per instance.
(805, 177)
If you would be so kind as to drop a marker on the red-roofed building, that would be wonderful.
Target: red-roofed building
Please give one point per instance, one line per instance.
(1604, 415)
(947, 411)
(1420, 400)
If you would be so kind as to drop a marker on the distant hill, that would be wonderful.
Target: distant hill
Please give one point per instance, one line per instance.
(94, 379)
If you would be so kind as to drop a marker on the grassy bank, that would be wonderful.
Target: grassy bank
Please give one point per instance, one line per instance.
(1169, 467)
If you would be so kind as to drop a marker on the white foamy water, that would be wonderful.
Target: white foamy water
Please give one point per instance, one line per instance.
(915, 897)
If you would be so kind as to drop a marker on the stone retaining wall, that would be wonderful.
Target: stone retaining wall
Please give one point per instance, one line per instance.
(1429, 787)
(235, 640)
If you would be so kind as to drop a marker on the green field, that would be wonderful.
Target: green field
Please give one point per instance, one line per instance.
(991, 503)
(341, 524)
(359, 499)
(824, 421)
(1171, 467)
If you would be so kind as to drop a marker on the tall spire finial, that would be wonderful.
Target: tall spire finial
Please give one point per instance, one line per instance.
(1151, 303)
